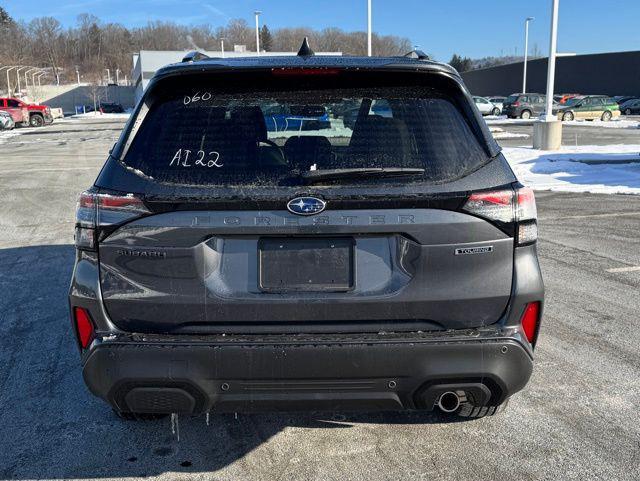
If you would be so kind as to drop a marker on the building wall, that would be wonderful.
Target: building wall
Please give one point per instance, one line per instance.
(67, 99)
(607, 74)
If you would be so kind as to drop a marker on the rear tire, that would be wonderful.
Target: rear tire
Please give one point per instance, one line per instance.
(139, 416)
(496, 112)
(567, 117)
(470, 411)
(606, 116)
(627, 112)
(525, 115)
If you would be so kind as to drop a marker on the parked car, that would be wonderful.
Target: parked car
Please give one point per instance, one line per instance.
(631, 107)
(37, 115)
(621, 99)
(498, 102)
(19, 113)
(563, 98)
(6, 121)
(282, 118)
(524, 106)
(485, 106)
(111, 108)
(589, 107)
(223, 267)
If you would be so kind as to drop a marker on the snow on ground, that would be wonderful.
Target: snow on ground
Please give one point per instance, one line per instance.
(621, 123)
(612, 169)
(100, 115)
(500, 134)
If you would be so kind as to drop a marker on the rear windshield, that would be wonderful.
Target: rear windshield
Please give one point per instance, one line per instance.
(511, 99)
(209, 135)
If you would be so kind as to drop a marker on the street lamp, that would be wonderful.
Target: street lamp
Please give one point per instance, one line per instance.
(18, 76)
(222, 46)
(39, 75)
(108, 76)
(78, 74)
(526, 53)
(551, 71)
(9, 68)
(257, 14)
(26, 79)
(369, 28)
(117, 76)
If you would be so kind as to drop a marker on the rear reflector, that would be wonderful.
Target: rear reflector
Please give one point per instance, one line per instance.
(530, 320)
(84, 326)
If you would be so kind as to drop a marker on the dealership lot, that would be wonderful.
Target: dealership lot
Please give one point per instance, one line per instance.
(578, 416)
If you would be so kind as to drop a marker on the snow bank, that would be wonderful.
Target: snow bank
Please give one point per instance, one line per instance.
(611, 169)
(94, 115)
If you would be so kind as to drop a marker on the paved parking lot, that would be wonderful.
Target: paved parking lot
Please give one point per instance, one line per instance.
(576, 420)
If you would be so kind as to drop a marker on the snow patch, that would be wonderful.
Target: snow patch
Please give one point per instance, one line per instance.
(609, 169)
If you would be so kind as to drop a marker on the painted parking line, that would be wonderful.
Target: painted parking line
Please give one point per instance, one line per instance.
(624, 269)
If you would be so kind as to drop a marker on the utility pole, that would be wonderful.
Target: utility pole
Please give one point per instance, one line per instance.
(257, 14)
(369, 28)
(526, 53)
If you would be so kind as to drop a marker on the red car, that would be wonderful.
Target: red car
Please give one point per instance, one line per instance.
(26, 114)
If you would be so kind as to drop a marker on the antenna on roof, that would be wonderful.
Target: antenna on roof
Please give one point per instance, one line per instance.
(305, 50)
(417, 54)
(194, 57)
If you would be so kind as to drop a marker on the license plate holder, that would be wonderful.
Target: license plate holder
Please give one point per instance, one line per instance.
(306, 264)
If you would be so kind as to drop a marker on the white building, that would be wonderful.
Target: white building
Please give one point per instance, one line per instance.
(147, 62)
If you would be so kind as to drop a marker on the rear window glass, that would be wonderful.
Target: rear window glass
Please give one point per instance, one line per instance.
(202, 136)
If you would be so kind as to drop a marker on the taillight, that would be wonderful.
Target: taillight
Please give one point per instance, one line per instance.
(530, 320)
(508, 206)
(516, 104)
(84, 326)
(101, 210)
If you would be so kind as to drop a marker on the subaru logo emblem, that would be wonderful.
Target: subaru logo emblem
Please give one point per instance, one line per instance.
(306, 205)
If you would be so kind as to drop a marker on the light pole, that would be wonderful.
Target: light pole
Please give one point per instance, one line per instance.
(18, 77)
(40, 77)
(551, 71)
(117, 76)
(369, 28)
(78, 74)
(26, 79)
(222, 46)
(108, 76)
(526, 53)
(9, 68)
(257, 14)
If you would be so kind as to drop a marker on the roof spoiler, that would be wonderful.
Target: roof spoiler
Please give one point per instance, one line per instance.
(417, 54)
(194, 57)
(305, 50)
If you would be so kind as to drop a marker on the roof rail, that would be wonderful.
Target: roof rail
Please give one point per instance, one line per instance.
(417, 54)
(194, 57)
(305, 50)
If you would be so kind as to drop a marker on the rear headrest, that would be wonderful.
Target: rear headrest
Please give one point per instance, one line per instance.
(306, 150)
(380, 138)
(250, 122)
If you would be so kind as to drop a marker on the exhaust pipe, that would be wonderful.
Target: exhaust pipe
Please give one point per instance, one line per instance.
(449, 402)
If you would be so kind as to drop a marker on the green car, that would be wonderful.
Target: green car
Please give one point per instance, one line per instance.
(589, 107)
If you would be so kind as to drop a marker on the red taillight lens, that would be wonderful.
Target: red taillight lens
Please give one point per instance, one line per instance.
(530, 320)
(508, 206)
(516, 104)
(84, 326)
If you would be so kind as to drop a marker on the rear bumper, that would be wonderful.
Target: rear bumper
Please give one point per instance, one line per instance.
(384, 372)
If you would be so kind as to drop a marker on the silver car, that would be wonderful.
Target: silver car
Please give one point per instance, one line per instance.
(6, 122)
(486, 107)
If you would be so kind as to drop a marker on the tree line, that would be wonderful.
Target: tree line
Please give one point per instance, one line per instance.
(92, 46)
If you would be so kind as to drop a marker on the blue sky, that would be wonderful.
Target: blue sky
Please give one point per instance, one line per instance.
(474, 28)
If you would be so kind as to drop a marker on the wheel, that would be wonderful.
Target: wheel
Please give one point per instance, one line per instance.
(139, 416)
(567, 117)
(627, 112)
(496, 112)
(606, 116)
(468, 410)
(526, 115)
(36, 121)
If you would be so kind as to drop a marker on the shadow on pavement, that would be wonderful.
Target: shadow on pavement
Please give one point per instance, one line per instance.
(52, 428)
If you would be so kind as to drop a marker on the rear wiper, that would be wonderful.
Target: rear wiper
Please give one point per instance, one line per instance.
(313, 176)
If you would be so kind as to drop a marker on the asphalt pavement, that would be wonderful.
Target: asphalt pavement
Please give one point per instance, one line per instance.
(576, 420)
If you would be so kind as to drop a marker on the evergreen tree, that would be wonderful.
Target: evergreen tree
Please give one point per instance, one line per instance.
(266, 40)
(5, 18)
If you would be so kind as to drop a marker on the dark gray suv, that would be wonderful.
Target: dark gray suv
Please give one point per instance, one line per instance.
(387, 264)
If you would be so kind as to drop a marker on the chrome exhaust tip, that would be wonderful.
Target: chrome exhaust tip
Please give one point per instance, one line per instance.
(449, 402)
